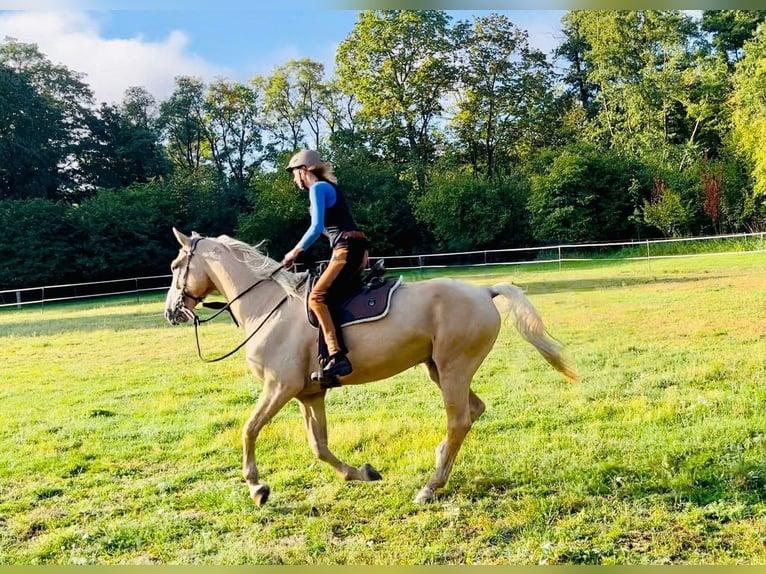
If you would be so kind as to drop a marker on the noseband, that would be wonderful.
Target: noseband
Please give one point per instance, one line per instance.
(181, 306)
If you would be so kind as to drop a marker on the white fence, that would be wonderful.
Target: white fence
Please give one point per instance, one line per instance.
(555, 254)
(607, 251)
(75, 291)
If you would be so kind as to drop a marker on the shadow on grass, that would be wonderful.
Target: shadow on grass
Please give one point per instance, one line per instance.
(720, 488)
(579, 285)
(724, 490)
(39, 325)
(564, 285)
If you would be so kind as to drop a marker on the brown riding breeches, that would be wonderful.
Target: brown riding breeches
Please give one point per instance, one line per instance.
(340, 279)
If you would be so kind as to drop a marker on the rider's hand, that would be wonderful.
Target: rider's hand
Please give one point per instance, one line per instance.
(289, 259)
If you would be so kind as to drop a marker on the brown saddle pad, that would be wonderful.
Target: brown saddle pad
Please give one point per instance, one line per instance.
(369, 304)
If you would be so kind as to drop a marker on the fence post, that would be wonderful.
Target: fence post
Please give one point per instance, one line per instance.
(18, 299)
(559, 252)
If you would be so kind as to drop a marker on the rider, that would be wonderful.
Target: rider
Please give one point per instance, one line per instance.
(330, 216)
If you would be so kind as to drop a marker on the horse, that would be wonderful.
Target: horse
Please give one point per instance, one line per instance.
(448, 325)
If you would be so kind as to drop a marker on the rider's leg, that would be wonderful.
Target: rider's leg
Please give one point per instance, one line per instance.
(339, 281)
(318, 302)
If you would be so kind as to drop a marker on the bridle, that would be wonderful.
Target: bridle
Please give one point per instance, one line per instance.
(222, 307)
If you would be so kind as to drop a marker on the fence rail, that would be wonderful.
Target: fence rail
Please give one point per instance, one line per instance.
(78, 291)
(555, 254)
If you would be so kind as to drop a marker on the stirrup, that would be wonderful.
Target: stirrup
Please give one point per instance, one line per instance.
(324, 382)
(319, 376)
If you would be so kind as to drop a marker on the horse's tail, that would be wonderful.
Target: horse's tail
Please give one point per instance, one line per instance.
(528, 322)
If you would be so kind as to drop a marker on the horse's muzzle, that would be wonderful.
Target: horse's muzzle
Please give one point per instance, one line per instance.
(179, 314)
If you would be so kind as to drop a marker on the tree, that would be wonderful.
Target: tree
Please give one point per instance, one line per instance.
(182, 118)
(583, 194)
(637, 59)
(338, 109)
(58, 122)
(666, 211)
(32, 131)
(465, 211)
(713, 186)
(234, 119)
(505, 88)
(280, 212)
(127, 218)
(285, 108)
(575, 48)
(731, 29)
(749, 115)
(141, 117)
(309, 81)
(140, 108)
(38, 243)
(399, 64)
(120, 152)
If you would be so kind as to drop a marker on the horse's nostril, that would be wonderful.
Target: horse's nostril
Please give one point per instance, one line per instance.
(172, 316)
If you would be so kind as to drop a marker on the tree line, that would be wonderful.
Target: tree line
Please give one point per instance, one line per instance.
(445, 135)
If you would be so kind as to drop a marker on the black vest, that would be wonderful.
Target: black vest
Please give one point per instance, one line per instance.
(337, 218)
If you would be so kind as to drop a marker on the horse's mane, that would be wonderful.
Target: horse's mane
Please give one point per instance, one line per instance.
(263, 265)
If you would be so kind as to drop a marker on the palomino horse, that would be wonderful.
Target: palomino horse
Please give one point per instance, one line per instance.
(448, 325)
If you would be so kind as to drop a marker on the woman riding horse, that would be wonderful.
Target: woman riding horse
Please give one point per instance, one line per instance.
(329, 215)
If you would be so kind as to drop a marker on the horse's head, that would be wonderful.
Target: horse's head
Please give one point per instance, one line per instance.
(190, 283)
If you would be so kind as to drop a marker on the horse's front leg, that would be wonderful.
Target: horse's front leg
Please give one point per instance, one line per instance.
(313, 409)
(274, 397)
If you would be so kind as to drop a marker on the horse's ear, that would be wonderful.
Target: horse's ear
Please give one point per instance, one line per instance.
(195, 234)
(182, 239)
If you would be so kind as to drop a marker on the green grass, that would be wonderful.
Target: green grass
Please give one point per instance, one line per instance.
(117, 445)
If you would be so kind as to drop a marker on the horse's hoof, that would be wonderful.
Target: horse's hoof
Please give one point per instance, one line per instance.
(370, 473)
(260, 493)
(426, 494)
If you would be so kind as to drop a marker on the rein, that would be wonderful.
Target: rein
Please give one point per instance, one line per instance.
(198, 321)
(223, 308)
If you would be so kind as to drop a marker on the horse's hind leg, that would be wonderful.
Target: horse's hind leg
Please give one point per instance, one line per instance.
(456, 402)
(475, 404)
(313, 409)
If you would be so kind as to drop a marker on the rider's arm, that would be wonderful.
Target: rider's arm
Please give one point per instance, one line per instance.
(321, 195)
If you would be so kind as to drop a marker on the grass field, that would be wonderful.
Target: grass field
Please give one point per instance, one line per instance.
(117, 445)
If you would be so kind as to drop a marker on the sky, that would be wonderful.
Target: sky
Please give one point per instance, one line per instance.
(120, 48)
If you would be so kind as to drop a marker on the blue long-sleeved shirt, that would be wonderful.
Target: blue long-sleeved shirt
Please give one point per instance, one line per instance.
(321, 196)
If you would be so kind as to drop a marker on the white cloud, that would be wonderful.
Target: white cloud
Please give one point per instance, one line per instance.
(74, 40)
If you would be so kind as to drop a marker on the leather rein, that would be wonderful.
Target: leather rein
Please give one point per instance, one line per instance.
(221, 307)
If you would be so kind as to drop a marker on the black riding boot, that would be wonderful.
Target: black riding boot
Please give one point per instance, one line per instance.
(337, 366)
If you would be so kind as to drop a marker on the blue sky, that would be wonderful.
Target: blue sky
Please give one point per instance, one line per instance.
(117, 49)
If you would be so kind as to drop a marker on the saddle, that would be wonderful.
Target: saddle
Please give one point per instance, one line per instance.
(371, 303)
